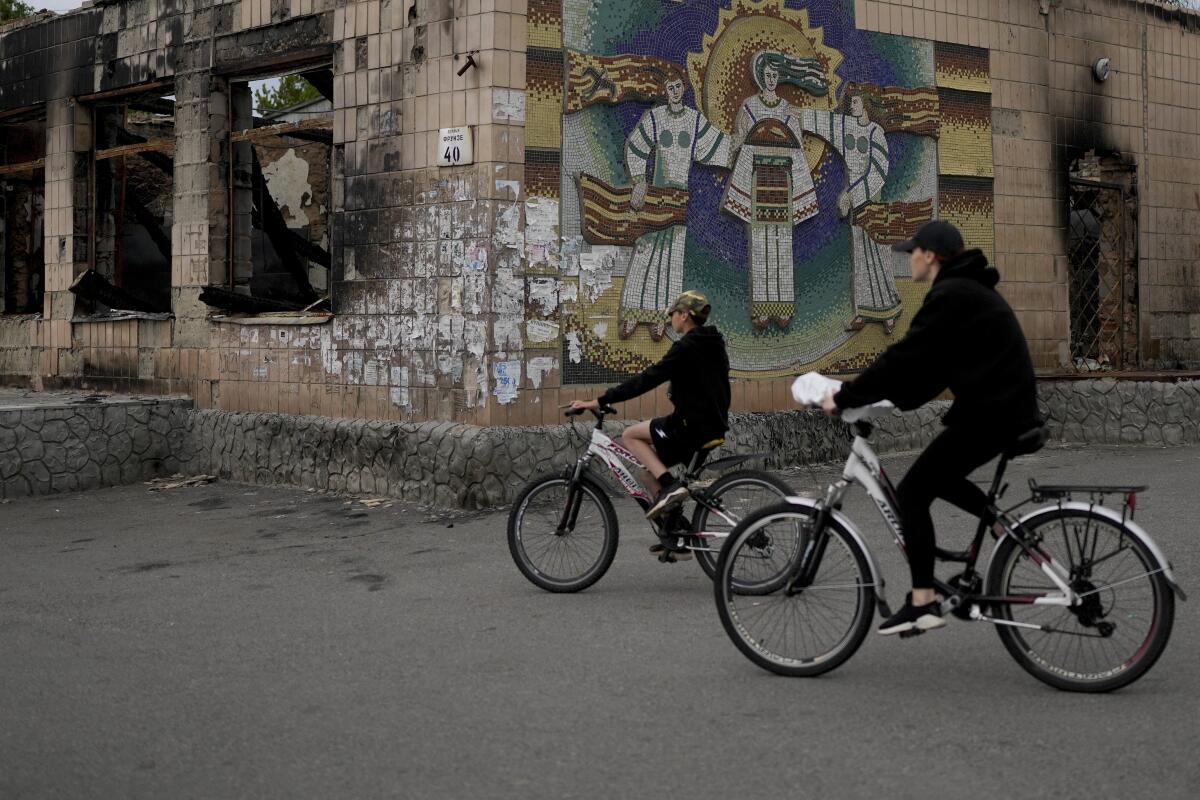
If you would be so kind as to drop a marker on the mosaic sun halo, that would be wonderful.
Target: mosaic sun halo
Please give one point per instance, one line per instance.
(721, 71)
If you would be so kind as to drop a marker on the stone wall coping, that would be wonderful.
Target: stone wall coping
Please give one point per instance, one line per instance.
(84, 400)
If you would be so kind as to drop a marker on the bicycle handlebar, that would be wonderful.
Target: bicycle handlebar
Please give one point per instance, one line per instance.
(601, 414)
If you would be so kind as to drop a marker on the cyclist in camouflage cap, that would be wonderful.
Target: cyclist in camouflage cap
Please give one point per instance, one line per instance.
(697, 367)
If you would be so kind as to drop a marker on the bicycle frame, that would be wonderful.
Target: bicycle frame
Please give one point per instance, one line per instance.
(615, 457)
(604, 448)
(863, 467)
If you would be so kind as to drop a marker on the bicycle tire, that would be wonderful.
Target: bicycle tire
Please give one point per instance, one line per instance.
(726, 483)
(727, 596)
(1025, 645)
(517, 535)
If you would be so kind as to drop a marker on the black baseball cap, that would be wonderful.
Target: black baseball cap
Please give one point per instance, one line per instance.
(937, 237)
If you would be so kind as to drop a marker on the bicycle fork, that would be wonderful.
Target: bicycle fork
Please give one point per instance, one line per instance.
(570, 514)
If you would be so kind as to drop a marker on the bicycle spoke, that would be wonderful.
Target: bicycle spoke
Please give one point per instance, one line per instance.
(1114, 613)
(809, 624)
(561, 556)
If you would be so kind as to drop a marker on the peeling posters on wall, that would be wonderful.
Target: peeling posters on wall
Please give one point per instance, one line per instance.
(541, 233)
(539, 367)
(540, 331)
(596, 270)
(507, 375)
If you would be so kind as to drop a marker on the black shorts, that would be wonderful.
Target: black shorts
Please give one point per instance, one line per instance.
(670, 443)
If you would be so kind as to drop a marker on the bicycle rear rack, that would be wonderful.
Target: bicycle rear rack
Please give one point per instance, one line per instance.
(1095, 492)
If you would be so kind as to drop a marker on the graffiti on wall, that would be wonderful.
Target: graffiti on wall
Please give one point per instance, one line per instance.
(766, 152)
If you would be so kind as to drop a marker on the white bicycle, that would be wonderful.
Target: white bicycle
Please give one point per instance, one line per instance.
(562, 530)
(1080, 595)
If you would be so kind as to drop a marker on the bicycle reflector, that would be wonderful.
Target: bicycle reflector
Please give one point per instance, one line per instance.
(1131, 501)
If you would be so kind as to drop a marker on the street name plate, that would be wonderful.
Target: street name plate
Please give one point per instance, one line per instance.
(455, 147)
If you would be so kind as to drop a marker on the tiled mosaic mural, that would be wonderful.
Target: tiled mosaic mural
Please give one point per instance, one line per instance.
(767, 153)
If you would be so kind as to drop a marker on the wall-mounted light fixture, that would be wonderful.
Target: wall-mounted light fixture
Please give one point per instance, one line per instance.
(1101, 69)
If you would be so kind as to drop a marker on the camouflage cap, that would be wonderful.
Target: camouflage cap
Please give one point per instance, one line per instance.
(695, 304)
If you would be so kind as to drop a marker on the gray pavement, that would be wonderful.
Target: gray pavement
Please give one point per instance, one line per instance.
(234, 641)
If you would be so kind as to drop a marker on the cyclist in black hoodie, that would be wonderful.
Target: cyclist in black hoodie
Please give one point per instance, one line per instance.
(697, 367)
(964, 338)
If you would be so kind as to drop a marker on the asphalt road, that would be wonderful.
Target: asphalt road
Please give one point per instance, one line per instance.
(233, 641)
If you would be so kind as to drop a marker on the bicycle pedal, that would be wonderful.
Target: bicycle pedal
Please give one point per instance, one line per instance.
(911, 634)
(667, 557)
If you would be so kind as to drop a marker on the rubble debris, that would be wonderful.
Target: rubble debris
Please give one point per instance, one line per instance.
(179, 481)
(375, 502)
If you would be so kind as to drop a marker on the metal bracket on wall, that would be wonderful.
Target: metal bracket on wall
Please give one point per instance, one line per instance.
(470, 62)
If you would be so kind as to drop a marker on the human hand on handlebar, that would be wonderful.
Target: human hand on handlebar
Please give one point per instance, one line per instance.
(829, 406)
(585, 405)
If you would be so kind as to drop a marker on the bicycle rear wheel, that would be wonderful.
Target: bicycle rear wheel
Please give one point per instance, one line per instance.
(569, 558)
(803, 633)
(1120, 627)
(737, 495)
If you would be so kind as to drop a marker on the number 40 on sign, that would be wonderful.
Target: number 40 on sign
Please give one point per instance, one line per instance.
(455, 147)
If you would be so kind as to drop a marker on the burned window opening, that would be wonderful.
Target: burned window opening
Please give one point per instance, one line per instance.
(132, 203)
(22, 215)
(279, 178)
(1102, 282)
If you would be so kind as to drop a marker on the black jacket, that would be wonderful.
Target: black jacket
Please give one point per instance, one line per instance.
(964, 338)
(698, 369)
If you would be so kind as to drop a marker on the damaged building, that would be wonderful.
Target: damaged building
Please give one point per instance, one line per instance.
(446, 227)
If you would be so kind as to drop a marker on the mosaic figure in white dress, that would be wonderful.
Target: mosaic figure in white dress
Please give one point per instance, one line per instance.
(673, 137)
(863, 146)
(771, 187)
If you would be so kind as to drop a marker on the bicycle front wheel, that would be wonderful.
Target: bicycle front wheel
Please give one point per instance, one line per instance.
(562, 539)
(803, 632)
(1122, 621)
(731, 499)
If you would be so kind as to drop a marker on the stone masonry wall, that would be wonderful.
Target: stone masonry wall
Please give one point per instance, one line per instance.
(452, 464)
(46, 450)
(81, 446)
(1106, 411)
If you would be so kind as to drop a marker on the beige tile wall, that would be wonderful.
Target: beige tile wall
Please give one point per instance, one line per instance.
(258, 13)
(1042, 85)
(371, 361)
(381, 355)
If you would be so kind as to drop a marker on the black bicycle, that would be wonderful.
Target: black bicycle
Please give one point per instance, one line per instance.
(1080, 595)
(562, 530)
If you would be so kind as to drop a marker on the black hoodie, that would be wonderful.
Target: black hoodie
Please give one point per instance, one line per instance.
(698, 369)
(964, 338)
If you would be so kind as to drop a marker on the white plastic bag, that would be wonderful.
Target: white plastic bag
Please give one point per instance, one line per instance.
(813, 387)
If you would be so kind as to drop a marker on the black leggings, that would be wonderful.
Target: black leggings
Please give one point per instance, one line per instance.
(941, 472)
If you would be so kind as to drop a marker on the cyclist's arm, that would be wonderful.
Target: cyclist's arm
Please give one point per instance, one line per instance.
(653, 377)
(913, 371)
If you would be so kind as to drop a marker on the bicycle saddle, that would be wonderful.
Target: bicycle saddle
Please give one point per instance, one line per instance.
(1028, 442)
